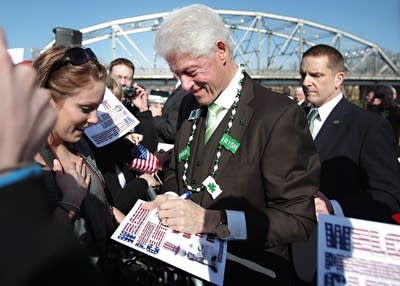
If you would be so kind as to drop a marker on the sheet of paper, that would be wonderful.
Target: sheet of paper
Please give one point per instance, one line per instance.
(202, 255)
(115, 121)
(164, 146)
(357, 252)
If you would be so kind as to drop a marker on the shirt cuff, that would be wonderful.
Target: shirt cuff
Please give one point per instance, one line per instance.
(171, 193)
(236, 225)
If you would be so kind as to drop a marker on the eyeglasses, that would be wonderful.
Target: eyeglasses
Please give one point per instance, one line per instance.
(75, 56)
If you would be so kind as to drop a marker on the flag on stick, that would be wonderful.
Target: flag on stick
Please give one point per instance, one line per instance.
(144, 161)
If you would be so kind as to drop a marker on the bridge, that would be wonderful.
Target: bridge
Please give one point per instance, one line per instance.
(269, 45)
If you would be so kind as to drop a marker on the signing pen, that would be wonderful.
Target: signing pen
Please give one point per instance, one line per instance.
(185, 196)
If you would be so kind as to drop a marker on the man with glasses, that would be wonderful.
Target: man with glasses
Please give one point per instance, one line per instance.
(136, 100)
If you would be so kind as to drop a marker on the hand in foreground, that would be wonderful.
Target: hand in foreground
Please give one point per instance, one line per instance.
(26, 116)
(322, 205)
(74, 183)
(183, 215)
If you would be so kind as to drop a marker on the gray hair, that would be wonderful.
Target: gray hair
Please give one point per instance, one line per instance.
(193, 30)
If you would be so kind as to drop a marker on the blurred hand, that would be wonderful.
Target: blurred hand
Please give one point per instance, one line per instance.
(141, 98)
(322, 205)
(119, 216)
(135, 138)
(151, 180)
(26, 116)
(74, 182)
(156, 109)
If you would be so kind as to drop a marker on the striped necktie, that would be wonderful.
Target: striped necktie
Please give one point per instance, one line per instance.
(212, 123)
(311, 119)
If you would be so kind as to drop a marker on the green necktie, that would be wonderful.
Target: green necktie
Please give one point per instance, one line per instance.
(311, 119)
(212, 115)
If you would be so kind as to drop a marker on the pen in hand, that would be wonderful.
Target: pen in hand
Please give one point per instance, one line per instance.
(185, 196)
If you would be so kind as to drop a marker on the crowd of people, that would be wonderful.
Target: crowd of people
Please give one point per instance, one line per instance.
(263, 196)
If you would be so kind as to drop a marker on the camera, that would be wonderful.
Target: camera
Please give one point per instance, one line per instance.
(129, 92)
(129, 95)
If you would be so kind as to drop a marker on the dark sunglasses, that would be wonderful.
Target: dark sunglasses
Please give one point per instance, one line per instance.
(75, 56)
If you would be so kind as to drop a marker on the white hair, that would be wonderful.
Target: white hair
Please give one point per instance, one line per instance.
(193, 30)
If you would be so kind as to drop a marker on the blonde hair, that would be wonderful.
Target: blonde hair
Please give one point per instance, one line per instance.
(68, 79)
(114, 86)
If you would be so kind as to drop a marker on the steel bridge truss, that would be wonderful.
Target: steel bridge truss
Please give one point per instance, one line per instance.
(269, 45)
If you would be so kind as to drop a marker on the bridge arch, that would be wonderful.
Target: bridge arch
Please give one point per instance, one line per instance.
(269, 45)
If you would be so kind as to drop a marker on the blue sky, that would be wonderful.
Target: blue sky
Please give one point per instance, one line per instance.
(29, 24)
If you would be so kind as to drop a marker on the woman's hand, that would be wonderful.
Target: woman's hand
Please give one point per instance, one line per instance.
(73, 182)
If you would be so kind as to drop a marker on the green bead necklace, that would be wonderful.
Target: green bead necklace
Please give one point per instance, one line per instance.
(219, 148)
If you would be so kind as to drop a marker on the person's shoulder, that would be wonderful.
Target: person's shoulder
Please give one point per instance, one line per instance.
(365, 118)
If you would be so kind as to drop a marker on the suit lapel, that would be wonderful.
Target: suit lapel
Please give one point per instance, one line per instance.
(333, 124)
(243, 115)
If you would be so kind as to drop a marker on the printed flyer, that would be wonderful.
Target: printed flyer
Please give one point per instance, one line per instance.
(203, 255)
(115, 121)
(357, 252)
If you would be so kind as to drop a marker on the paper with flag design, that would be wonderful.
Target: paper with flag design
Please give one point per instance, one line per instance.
(144, 161)
(203, 255)
(115, 121)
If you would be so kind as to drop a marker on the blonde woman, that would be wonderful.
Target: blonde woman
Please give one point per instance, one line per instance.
(76, 188)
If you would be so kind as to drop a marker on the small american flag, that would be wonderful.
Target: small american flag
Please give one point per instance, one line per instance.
(144, 161)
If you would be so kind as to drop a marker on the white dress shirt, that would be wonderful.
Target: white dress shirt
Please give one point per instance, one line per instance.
(324, 111)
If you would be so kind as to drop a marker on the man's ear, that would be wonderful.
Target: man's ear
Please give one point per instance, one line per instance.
(339, 78)
(222, 50)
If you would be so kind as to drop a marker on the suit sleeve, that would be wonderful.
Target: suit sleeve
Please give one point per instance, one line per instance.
(290, 167)
(380, 174)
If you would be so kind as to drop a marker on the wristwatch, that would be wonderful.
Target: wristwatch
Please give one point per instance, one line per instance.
(222, 229)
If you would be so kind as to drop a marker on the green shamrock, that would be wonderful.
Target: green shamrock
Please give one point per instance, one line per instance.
(211, 187)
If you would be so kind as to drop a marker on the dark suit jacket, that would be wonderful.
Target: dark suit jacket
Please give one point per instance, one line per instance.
(359, 164)
(188, 104)
(119, 153)
(272, 177)
(145, 127)
(165, 125)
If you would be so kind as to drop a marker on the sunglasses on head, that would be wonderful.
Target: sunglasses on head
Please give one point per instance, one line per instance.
(75, 56)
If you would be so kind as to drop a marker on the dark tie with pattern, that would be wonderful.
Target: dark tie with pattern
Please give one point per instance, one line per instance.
(311, 119)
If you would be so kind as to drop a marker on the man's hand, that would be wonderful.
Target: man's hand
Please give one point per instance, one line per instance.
(141, 98)
(183, 215)
(156, 109)
(322, 205)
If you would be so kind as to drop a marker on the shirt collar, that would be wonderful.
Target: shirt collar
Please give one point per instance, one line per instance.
(325, 109)
(227, 97)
